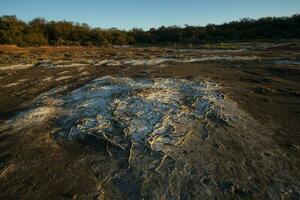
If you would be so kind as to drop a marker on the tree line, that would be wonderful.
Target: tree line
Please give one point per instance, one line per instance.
(40, 32)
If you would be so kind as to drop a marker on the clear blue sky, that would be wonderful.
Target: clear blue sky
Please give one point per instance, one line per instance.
(126, 14)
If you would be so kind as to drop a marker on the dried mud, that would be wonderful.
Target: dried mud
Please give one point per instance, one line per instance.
(134, 123)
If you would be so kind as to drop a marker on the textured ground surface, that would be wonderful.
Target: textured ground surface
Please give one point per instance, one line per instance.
(133, 123)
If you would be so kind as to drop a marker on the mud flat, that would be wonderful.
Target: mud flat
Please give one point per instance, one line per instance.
(151, 124)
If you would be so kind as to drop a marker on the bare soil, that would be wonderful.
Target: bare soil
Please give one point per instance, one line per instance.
(259, 162)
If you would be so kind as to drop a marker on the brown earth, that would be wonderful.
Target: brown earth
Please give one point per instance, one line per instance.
(34, 165)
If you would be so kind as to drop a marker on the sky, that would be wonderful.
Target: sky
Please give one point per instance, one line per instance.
(127, 14)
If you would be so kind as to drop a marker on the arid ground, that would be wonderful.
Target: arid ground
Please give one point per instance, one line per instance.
(150, 123)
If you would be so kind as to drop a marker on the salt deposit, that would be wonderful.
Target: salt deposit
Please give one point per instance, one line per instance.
(16, 67)
(155, 113)
(15, 83)
(63, 78)
(158, 60)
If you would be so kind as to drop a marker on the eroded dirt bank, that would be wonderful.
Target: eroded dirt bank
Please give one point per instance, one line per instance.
(149, 123)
